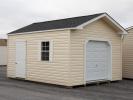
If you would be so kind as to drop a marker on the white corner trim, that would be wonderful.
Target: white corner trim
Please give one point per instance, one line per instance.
(109, 18)
(110, 57)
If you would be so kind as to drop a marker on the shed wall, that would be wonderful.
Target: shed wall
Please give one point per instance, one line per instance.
(128, 55)
(55, 72)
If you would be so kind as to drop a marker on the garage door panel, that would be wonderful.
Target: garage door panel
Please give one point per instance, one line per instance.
(96, 60)
(96, 55)
(97, 49)
(96, 65)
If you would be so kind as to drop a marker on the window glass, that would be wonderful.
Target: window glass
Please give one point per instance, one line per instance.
(45, 51)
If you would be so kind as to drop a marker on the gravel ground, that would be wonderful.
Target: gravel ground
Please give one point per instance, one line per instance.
(19, 90)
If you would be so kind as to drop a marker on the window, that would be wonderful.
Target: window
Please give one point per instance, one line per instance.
(45, 48)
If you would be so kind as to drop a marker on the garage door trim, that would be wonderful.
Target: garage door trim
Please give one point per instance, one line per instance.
(110, 57)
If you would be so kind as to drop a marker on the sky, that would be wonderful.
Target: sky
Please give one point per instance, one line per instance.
(15, 14)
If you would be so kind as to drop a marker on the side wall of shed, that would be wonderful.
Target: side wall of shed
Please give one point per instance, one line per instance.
(128, 55)
(55, 72)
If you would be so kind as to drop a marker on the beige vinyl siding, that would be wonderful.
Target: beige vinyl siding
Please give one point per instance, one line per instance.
(55, 72)
(101, 30)
(128, 55)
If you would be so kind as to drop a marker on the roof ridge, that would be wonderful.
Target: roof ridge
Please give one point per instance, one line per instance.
(69, 18)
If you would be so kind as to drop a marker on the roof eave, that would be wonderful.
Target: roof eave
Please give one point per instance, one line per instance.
(43, 31)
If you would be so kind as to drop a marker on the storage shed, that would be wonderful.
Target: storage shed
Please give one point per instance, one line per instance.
(3, 51)
(128, 54)
(72, 51)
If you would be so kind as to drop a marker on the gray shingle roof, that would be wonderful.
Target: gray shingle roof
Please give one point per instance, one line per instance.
(56, 24)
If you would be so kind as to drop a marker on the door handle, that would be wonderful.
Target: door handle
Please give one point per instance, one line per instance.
(16, 63)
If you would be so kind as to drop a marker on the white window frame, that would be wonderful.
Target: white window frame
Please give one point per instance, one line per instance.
(50, 50)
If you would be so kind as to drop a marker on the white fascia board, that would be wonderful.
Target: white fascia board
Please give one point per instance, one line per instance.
(129, 28)
(42, 31)
(109, 18)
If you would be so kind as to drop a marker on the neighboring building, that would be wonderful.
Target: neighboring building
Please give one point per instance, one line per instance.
(69, 52)
(128, 54)
(3, 51)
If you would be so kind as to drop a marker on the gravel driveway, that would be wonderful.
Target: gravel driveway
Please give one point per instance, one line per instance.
(20, 90)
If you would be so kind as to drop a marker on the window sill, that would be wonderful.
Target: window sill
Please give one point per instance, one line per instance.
(46, 61)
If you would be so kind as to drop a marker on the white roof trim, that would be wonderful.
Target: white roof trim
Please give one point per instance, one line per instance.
(109, 18)
(42, 31)
(129, 28)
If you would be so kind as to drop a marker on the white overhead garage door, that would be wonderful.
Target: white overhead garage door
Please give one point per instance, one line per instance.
(3, 55)
(97, 56)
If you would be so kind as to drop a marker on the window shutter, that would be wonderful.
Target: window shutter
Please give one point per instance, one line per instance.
(51, 51)
(39, 51)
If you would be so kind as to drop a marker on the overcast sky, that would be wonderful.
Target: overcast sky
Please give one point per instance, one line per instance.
(15, 14)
